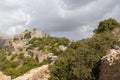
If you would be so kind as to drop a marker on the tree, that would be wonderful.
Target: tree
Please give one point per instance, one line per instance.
(107, 25)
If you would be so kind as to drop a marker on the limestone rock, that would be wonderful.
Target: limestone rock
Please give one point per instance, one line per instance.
(37, 33)
(51, 57)
(4, 77)
(110, 68)
(62, 48)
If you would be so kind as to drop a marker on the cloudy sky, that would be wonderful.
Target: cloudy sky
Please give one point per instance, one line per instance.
(75, 19)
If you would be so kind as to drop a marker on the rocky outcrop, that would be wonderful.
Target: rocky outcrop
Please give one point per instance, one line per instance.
(40, 73)
(19, 44)
(110, 68)
(33, 33)
(37, 33)
(51, 57)
(4, 77)
(62, 48)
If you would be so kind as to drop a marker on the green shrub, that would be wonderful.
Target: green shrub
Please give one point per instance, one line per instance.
(41, 47)
(21, 56)
(107, 25)
(13, 56)
(15, 39)
(11, 72)
(44, 62)
(20, 49)
(27, 35)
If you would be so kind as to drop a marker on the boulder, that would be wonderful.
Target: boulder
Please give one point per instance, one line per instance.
(62, 48)
(51, 57)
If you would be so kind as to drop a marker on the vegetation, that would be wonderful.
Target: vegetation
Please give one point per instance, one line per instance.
(81, 60)
(15, 38)
(107, 25)
(27, 35)
(13, 56)
(11, 67)
(51, 44)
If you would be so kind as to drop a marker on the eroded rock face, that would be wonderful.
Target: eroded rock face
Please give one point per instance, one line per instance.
(51, 57)
(110, 68)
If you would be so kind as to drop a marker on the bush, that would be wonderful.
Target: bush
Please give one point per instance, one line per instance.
(13, 56)
(20, 49)
(107, 25)
(27, 35)
(63, 41)
(15, 39)
(41, 47)
(21, 56)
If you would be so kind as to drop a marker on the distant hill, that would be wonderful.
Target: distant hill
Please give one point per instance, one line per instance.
(3, 39)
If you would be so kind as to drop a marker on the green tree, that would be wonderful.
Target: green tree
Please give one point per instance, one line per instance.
(107, 25)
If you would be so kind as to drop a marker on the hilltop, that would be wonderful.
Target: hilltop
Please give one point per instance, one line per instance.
(28, 50)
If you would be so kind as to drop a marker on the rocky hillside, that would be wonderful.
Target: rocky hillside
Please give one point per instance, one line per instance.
(28, 50)
(35, 55)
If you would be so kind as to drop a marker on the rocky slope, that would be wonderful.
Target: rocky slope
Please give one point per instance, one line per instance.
(110, 68)
(23, 42)
(20, 43)
(27, 56)
(110, 64)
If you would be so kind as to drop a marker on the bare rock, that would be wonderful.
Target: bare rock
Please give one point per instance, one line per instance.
(37, 33)
(62, 48)
(51, 57)
(4, 77)
(110, 68)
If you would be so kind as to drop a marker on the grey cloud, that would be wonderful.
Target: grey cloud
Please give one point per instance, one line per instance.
(78, 17)
(73, 4)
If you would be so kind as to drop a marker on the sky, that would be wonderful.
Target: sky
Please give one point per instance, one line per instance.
(75, 19)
